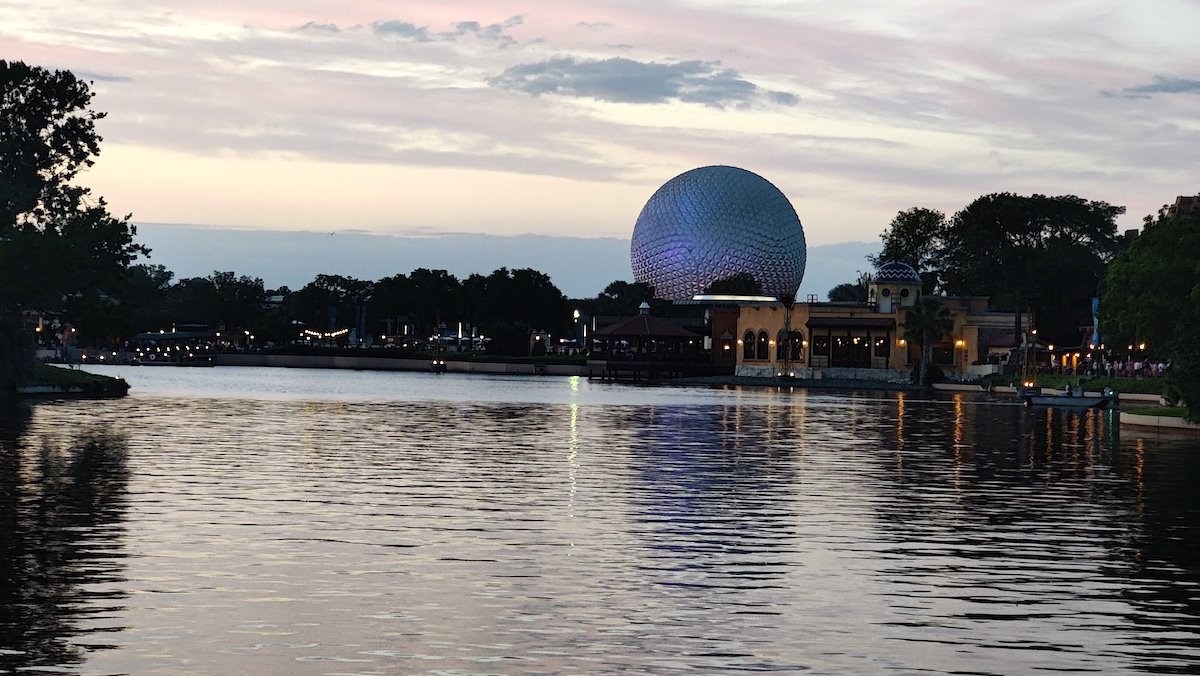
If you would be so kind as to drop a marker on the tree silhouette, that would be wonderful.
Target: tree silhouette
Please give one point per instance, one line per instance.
(924, 323)
(56, 240)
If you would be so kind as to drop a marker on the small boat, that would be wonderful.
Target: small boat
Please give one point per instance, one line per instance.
(1033, 396)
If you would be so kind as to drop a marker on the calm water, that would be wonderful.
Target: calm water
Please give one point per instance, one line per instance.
(329, 522)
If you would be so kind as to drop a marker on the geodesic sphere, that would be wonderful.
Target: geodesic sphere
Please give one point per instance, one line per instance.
(712, 223)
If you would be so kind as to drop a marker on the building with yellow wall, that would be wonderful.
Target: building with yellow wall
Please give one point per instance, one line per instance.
(865, 341)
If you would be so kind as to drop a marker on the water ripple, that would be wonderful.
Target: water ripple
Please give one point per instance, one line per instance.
(327, 522)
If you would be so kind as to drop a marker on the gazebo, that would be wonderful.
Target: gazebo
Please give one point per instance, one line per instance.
(644, 345)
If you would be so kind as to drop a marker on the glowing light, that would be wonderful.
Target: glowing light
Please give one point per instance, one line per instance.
(319, 334)
(733, 298)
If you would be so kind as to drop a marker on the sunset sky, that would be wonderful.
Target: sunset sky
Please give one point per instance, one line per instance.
(564, 117)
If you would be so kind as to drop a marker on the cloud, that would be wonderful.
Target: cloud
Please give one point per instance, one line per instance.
(495, 32)
(88, 75)
(783, 98)
(623, 80)
(401, 29)
(1161, 85)
(320, 27)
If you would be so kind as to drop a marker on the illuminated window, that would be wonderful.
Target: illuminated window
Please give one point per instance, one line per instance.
(821, 346)
(881, 347)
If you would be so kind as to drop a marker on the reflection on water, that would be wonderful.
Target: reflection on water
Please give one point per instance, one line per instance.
(488, 525)
(62, 504)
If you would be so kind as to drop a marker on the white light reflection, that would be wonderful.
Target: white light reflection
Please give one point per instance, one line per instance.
(572, 453)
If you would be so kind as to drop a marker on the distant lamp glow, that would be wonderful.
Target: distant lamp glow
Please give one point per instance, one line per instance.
(732, 298)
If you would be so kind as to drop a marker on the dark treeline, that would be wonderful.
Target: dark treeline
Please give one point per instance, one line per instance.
(69, 268)
(1042, 254)
(504, 305)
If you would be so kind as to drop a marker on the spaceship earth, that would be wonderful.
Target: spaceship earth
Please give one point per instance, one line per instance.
(712, 223)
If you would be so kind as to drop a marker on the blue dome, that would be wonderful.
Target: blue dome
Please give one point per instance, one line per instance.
(713, 223)
(897, 273)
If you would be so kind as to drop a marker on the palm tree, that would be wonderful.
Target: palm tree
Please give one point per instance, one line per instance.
(926, 321)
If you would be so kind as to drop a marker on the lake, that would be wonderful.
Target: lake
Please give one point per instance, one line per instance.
(279, 521)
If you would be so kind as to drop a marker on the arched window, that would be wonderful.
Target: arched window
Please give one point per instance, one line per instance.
(781, 347)
(748, 345)
(762, 352)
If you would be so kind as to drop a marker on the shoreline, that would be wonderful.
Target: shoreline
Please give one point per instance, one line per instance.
(55, 382)
(810, 383)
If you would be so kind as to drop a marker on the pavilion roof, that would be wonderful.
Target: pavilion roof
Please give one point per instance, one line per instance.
(644, 326)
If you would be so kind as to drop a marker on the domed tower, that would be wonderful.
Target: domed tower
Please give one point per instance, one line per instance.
(895, 285)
